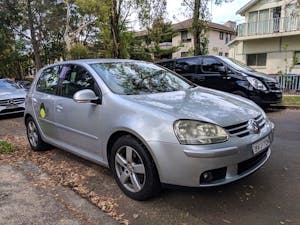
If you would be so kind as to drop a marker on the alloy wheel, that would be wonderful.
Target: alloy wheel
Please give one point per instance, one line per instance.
(32, 133)
(130, 169)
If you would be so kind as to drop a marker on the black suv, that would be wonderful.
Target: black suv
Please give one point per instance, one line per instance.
(228, 75)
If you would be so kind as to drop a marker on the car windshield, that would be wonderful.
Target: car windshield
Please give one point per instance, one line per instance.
(237, 64)
(8, 84)
(134, 78)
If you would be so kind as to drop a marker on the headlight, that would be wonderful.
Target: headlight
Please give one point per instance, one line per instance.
(257, 84)
(192, 132)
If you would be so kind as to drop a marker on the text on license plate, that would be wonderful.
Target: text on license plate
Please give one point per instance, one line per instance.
(261, 145)
(11, 106)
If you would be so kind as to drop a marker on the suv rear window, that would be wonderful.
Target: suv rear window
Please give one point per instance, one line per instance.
(48, 80)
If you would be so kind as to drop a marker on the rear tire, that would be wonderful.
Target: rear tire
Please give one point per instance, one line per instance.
(34, 137)
(134, 169)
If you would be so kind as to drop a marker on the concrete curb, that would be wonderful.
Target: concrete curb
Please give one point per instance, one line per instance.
(285, 107)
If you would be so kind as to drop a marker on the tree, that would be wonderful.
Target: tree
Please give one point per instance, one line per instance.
(198, 10)
(152, 17)
(159, 33)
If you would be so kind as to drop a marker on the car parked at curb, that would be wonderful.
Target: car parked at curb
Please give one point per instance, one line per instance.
(24, 84)
(12, 97)
(148, 124)
(229, 75)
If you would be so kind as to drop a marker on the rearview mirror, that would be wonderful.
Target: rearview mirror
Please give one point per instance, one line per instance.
(85, 96)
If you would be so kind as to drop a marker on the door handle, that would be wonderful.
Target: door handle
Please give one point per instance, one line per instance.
(59, 108)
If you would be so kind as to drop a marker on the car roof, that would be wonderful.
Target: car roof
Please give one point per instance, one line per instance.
(188, 57)
(91, 61)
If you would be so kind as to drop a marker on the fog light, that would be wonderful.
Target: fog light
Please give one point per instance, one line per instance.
(206, 176)
(213, 175)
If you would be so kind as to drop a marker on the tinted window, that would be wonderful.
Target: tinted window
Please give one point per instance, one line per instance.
(134, 78)
(187, 65)
(210, 65)
(168, 64)
(75, 78)
(48, 80)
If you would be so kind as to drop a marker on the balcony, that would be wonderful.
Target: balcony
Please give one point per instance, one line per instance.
(270, 27)
(165, 45)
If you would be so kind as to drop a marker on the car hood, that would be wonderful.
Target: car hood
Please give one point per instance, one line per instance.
(201, 104)
(261, 76)
(12, 93)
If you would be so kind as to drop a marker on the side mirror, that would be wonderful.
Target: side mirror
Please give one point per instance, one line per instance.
(222, 69)
(86, 96)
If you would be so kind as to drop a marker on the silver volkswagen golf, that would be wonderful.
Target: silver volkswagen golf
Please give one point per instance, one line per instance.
(146, 123)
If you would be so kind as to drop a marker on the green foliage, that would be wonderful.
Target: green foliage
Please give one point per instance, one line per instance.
(78, 51)
(6, 147)
(291, 100)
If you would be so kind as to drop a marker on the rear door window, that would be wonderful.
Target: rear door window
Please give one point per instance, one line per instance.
(168, 64)
(48, 80)
(187, 65)
(75, 78)
(210, 65)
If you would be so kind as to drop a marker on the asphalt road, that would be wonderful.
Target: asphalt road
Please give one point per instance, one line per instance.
(268, 197)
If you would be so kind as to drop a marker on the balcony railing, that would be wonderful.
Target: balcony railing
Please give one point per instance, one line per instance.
(276, 25)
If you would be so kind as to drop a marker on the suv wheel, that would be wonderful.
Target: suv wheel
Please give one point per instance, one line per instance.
(34, 137)
(134, 169)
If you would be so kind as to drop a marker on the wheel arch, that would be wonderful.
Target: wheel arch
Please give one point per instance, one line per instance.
(26, 116)
(119, 133)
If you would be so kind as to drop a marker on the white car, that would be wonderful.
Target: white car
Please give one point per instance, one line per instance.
(12, 97)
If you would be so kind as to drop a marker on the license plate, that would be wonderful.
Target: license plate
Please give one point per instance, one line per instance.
(12, 106)
(261, 145)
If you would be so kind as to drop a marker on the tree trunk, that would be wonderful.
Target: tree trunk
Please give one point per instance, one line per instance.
(115, 31)
(197, 29)
(33, 39)
(67, 32)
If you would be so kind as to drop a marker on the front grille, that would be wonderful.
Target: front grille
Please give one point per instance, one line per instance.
(12, 101)
(19, 109)
(273, 85)
(250, 163)
(240, 130)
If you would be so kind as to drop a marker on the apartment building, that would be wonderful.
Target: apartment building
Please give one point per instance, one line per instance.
(219, 35)
(269, 40)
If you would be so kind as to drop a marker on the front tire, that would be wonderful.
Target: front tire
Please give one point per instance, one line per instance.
(34, 137)
(134, 169)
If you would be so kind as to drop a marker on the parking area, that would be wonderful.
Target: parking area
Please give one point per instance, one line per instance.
(270, 196)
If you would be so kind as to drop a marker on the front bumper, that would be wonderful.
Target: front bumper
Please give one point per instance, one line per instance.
(19, 108)
(185, 165)
(266, 97)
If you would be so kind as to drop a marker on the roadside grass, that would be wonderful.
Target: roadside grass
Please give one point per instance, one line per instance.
(291, 100)
(6, 147)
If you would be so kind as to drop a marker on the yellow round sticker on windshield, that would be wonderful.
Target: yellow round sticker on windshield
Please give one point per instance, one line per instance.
(42, 113)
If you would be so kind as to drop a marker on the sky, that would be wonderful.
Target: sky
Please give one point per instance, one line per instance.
(220, 14)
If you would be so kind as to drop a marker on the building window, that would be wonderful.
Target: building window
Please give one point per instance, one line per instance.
(184, 54)
(221, 35)
(228, 37)
(257, 59)
(297, 58)
(220, 53)
(185, 36)
(226, 54)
